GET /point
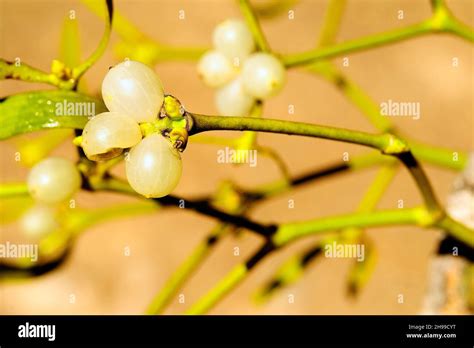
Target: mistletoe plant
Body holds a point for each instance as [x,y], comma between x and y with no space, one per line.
[136,122]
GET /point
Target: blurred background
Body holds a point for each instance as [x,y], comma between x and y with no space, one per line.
[103,280]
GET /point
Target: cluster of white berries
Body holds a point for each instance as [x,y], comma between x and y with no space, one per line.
[240,74]
[50,183]
[133,94]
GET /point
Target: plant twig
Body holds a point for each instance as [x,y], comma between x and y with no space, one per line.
[351,46]
[425,152]
[332,21]
[13,189]
[386,143]
[272,154]
[354,93]
[24,72]
[185,270]
[254,25]
[415,216]
[201,206]
[291,270]
[230,281]
[10,272]
[182,274]
[79,70]
[289,232]
[138,46]
[441,21]
[422,182]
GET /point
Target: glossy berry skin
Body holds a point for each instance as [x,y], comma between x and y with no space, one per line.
[53,180]
[107,134]
[232,100]
[215,69]
[263,75]
[38,221]
[133,89]
[233,38]
[154,166]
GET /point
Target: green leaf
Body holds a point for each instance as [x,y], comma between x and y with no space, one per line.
[28,112]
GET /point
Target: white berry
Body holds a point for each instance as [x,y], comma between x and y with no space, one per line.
[460,206]
[106,134]
[154,166]
[38,221]
[233,38]
[232,100]
[215,69]
[134,89]
[263,75]
[53,180]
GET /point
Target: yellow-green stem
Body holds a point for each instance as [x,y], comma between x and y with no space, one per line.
[289,232]
[222,288]
[13,189]
[386,143]
[332,21]
[254,25]
[185,270]
[441,21]
[347,47]
[79,70]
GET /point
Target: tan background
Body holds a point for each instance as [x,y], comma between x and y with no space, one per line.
[104,281]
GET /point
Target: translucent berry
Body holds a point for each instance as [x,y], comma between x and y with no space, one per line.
[133,89]
[107,134]
[215,69]
[153,166]
[38,221]
[53,180]
[232,100]
[233,38]
[263,75]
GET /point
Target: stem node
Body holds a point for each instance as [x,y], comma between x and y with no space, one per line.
[395,145]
